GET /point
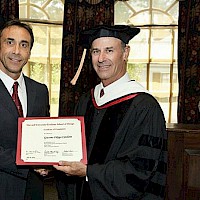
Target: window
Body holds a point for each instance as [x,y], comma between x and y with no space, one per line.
[46,18]
[153,56]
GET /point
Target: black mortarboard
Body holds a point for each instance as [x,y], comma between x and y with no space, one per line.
[122,32]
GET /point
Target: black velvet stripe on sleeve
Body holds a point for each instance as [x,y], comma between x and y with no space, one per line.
[143,164]
[149,164]
[137,183]
[154,142]
[144,186]
[156,189]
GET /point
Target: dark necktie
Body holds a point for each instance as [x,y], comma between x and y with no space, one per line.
[16,99]
[101,93]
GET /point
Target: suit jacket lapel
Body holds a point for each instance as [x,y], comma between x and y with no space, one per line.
[6,100]
[31,92]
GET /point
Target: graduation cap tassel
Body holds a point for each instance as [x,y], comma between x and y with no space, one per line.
[73,81]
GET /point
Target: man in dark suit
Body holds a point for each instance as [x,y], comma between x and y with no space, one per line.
[16,41]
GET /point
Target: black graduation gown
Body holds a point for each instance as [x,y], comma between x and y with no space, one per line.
[127,150]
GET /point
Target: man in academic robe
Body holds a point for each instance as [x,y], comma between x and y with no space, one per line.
[125,129]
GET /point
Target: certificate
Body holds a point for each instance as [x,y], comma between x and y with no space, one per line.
[47,140]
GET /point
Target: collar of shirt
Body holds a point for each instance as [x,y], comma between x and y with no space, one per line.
[117,89]
[8,82]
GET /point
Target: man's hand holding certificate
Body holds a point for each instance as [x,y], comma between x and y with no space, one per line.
[46,141]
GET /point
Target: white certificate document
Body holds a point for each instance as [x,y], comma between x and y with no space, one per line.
[46,141]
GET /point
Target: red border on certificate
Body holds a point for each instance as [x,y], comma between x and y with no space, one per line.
[20,161]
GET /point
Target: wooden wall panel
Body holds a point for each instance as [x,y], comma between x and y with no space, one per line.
[183,177]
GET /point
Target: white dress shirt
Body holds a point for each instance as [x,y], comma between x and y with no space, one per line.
[8,82]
